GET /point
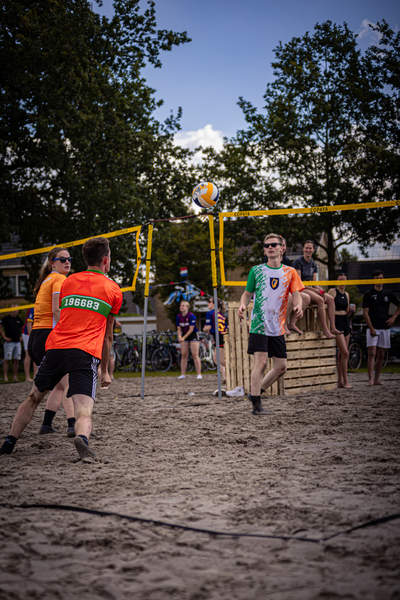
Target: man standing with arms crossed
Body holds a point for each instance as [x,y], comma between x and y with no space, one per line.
[270,283]
[82,337]
[376,304]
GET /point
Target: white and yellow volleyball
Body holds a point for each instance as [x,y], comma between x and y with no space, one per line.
[205,194]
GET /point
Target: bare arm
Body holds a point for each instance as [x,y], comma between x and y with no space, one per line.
[3,333]
[55,306]
[105,355]
[393,317]
[244,302]
[368,320]
[332,292]
[297,304]
[29,326]
[191,329]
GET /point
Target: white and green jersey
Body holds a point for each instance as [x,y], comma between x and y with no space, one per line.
[271,287]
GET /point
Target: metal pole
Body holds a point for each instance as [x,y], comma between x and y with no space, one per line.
[216,327]
[146,301]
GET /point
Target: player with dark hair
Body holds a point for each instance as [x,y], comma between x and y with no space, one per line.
[376,304]
[82,337]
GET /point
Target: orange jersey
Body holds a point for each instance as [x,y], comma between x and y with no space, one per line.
[87,299]
[44,301]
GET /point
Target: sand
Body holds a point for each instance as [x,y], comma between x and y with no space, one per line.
[321,464]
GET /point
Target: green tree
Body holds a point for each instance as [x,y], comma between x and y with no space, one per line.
[80,152]
[314,141]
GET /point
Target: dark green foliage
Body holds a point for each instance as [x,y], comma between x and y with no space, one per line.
[80,153]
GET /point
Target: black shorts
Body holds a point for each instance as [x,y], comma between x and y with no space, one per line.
[274,345]
[221,341]
[193,337]
[37,343]
[81,367]
[343,324]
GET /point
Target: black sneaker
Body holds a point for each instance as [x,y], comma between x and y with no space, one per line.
[85,452]
[47,429]
[258,408]
[71,432]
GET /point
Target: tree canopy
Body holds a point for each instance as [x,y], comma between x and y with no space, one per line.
[80,151]
[328,135]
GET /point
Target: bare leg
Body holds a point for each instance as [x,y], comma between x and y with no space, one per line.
[260,364]
[371,364]
[278,369]
[343,357]
[83,406]
[317,299]
[56,397]
[305,301]
[330,303]
[5,370]
[221,361]
[184,356]
[380,352]
[27,366]
[25,411]
[68,406]
[15,369]
[194,346]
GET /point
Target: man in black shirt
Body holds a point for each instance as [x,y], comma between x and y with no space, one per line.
[10,329]
[376,304]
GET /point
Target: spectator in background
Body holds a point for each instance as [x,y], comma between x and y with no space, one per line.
[188,336]
[209,327]
[343,309]
[10,329]
[376,304]
[25,338]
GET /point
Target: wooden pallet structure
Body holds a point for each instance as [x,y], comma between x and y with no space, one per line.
[311,365]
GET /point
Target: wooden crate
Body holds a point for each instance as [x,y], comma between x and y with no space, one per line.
[311,356]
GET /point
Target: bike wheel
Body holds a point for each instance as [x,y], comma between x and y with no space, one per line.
[355,356]
[131,360]
[161,360]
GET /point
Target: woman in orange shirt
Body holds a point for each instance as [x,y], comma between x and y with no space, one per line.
[47,313]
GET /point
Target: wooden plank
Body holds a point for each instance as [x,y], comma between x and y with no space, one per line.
[314,362]
[238,346]
[310,382]
[228,361]
[247,367]
[323,388]
[311,353]
[307,335]
[321,343]
[306,373]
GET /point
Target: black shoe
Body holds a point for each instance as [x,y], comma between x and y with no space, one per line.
[258,408]
[47,429]
[71,432]
[85,452]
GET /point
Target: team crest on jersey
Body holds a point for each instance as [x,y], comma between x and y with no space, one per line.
[274,283]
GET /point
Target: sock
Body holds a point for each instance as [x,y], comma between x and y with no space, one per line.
[84,439]
[255,399]
[71,422]
[8,445]
[48,417]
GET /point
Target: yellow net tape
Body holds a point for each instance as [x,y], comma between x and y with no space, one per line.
[289,211]
[138,229]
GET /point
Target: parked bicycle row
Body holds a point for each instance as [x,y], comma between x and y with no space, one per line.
[162,352]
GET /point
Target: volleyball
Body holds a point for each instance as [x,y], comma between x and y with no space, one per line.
[205,194]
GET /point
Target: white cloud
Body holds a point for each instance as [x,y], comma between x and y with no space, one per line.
[365,31]
[207,136]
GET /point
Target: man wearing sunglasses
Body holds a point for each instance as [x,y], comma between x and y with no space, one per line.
[270,284]
[81,339]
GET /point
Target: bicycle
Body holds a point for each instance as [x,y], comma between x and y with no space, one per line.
[126,355]
[358,351]
[206,351]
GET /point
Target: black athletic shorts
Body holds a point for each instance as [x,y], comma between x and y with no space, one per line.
[343,324]
[37,343]
[81,367]
[193,337]
[274,345]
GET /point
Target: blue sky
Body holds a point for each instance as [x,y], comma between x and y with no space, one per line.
[231,53]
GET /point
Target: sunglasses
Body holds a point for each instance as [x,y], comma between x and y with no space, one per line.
[64,259]
[272,245]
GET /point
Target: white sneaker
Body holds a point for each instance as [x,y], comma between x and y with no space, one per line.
[181,376]
[238,391]
[199,377]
